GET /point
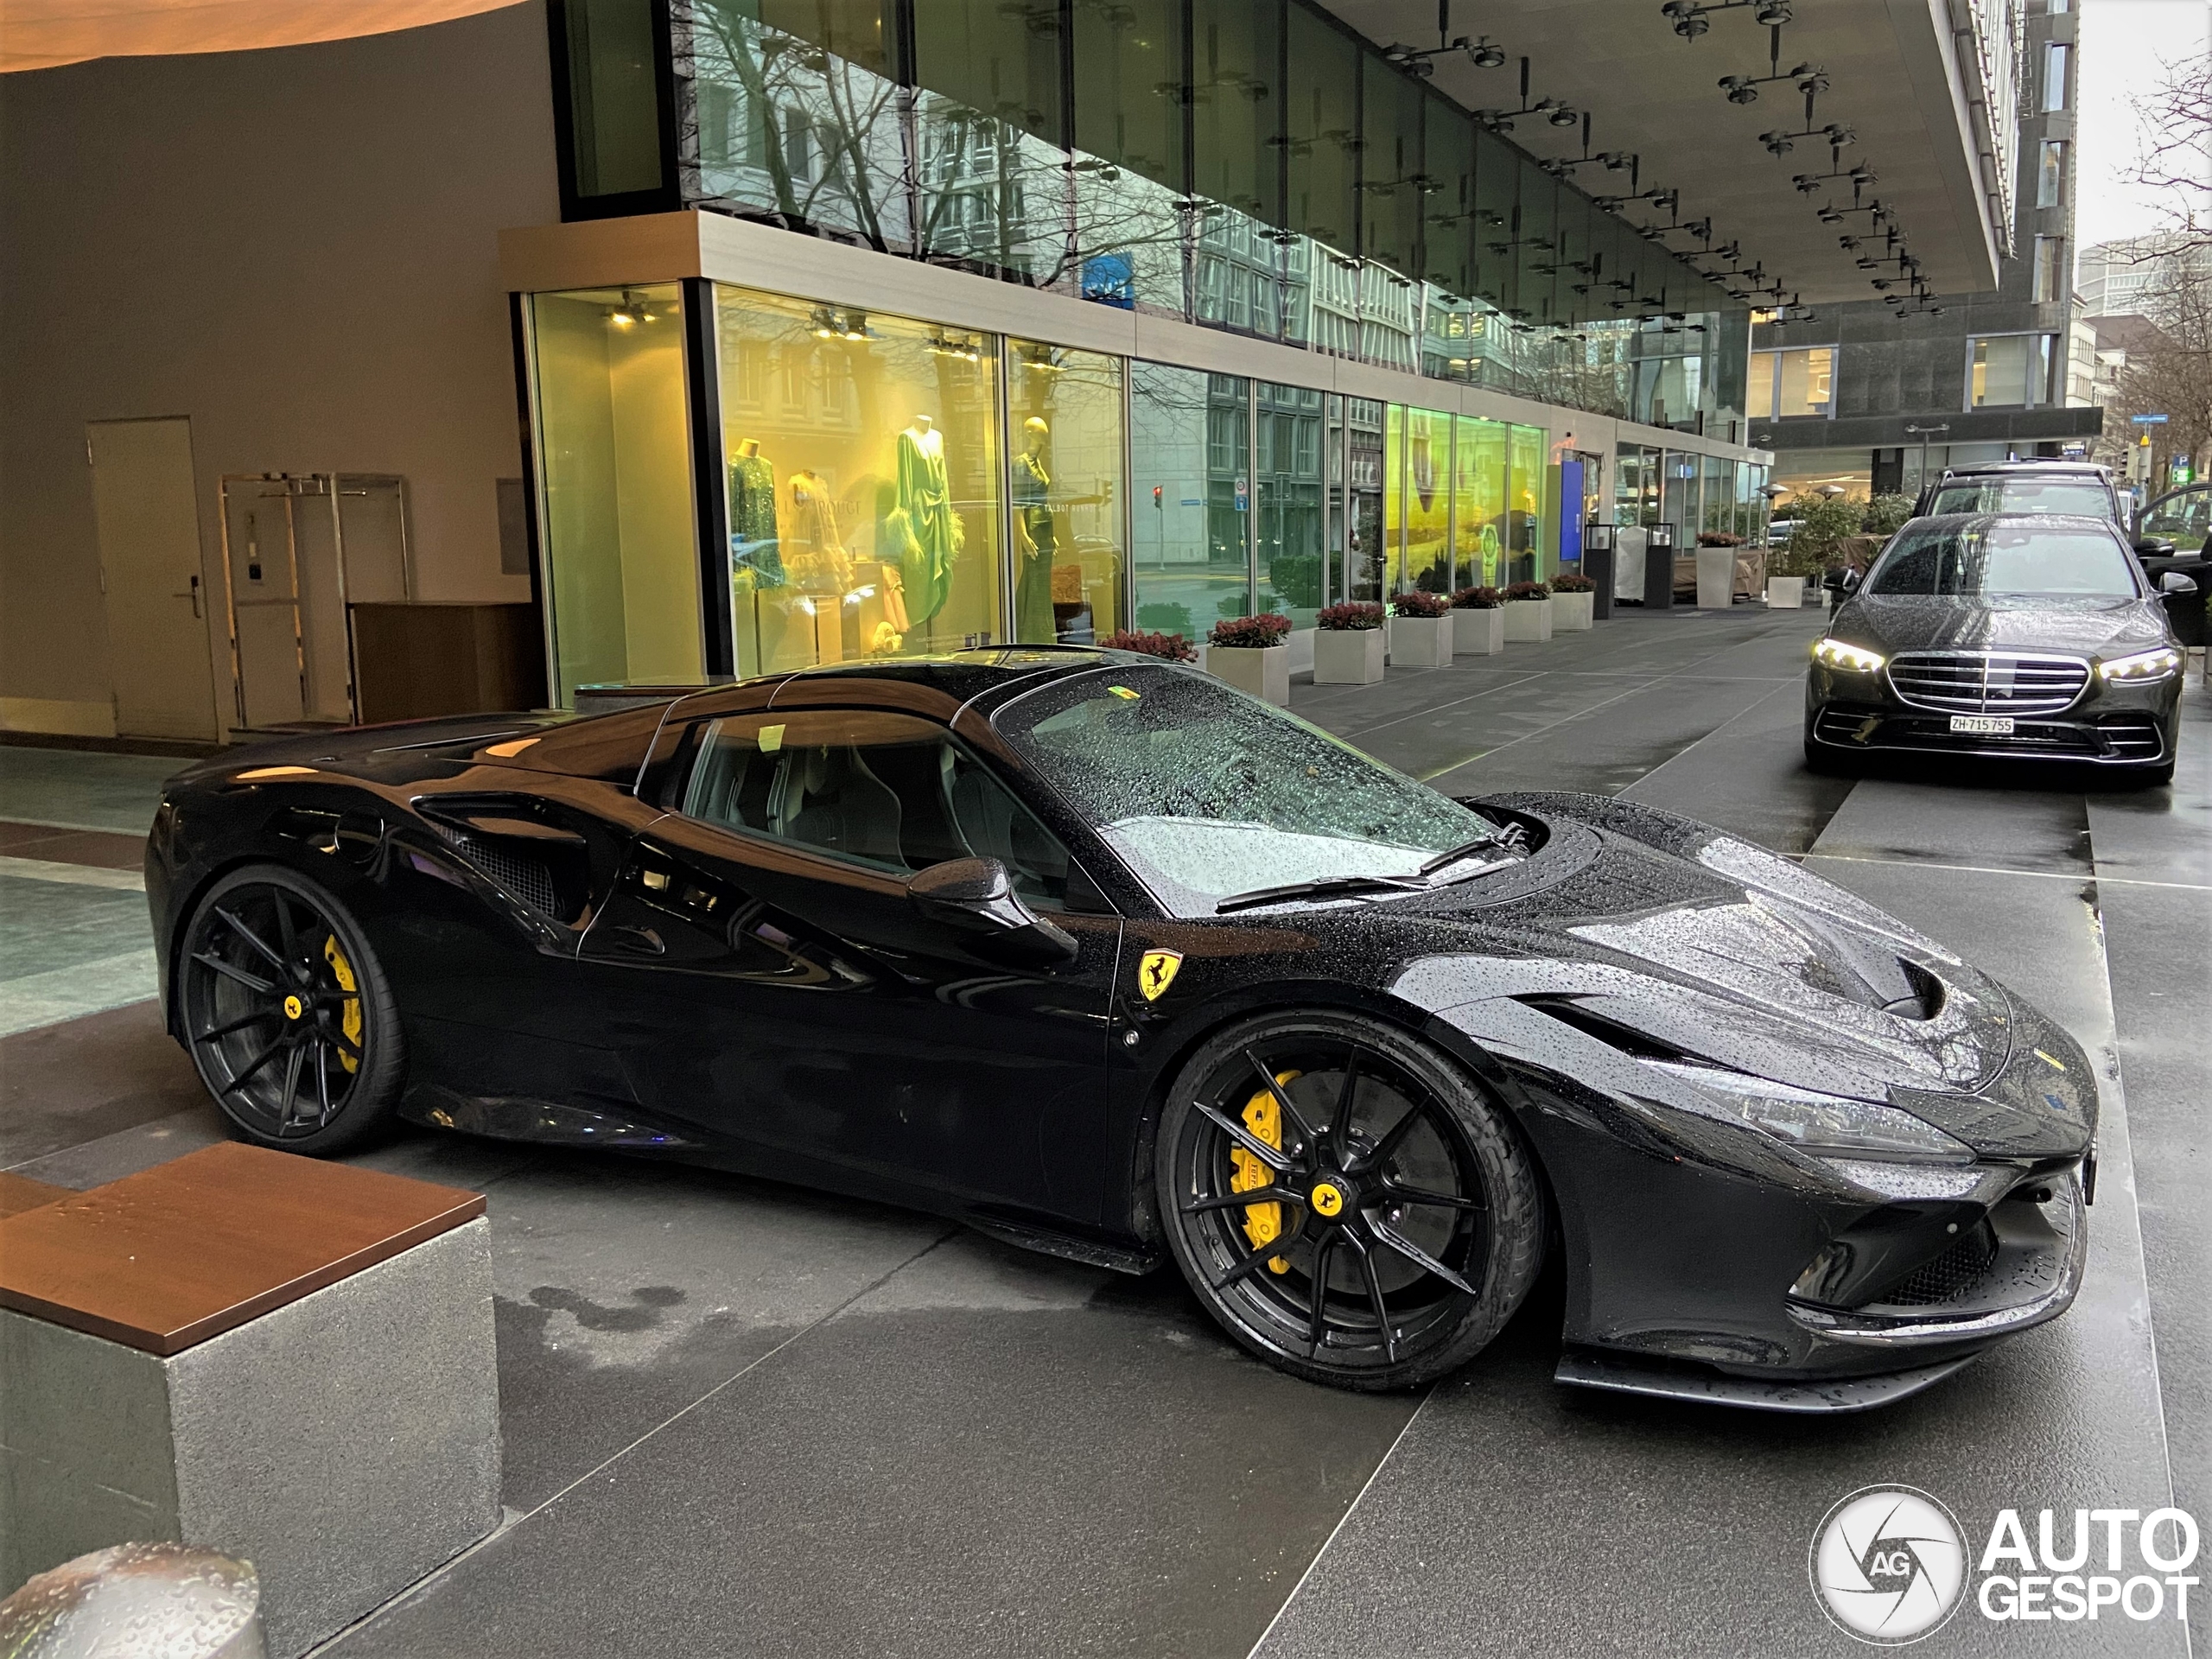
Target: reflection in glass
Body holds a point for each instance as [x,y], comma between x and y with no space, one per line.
[862,473]
[607,373]
[1063,444]
[1287,499]
[1367,555]
[1479,502]
[1428,500]
[1527,520]
[1189,438]
[1321,112]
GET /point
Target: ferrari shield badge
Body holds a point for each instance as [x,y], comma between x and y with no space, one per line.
[1157,972]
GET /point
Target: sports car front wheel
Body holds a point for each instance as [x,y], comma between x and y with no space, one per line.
[1349,1203]
[287,1013]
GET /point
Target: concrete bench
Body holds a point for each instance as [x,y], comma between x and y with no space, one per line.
[287,1361]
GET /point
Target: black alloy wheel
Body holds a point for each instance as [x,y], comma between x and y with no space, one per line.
[1349,1203]
[287,1014]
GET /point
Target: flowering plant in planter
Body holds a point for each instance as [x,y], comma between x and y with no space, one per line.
[1174,646]
[1353,616]
[1719,538]
[1418,603]
[1477,599]
[1250,632]
[1573,585]
[1529,590]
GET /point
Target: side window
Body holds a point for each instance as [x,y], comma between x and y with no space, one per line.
[887,791]
[2182,521]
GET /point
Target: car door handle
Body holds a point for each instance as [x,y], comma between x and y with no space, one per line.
[639,941]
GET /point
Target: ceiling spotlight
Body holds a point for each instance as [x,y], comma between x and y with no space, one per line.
[1777,141]
[1563,116]
[1485,55]
[1839,135]
[1739,90]
[1849,244]
[1775,11]
[1829,216]
[1689,19]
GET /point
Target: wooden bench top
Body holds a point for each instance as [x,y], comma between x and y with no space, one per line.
[191,1249]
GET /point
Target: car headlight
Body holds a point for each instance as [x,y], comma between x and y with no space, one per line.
[2143,666]
[1834,653]
[1825,1125]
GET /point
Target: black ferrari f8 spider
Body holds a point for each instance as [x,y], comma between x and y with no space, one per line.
[1099,956]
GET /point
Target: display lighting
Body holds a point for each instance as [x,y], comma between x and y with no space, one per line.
[966,347]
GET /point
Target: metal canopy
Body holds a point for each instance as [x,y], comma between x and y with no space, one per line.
[1899,75]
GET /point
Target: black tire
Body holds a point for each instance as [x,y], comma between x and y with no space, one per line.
[1413,1122]
[295,1057]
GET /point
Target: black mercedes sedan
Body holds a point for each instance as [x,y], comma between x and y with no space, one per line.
[1101,956]
[2001,635]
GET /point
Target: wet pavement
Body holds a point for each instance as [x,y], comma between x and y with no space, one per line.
[741,1418]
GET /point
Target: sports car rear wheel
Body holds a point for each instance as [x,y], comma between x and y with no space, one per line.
[287,1014]
[1349,1203]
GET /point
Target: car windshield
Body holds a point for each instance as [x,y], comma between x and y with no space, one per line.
[1980,559]
[2082,497]
[1206,793]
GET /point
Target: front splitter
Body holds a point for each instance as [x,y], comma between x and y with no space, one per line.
[1808,1397]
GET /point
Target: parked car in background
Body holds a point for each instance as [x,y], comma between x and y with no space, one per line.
[2016,635]
[2072,488]
[1779,530]
[2170,537]
[2179,517]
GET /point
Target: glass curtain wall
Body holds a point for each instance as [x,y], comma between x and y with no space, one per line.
[863,482]
[1479,495]
[1718,510]
[1527,514]
[1367,550]
[1678,496]
[1428,501]
[1287,501]
[1189,436]
[614,448]
[989,136]
[1064,448]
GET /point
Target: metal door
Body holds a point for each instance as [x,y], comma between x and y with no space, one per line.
[148,528]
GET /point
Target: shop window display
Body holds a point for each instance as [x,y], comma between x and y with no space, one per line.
[1527,518]
[1479,502]
[1428,501]
[607,367]
[1064,438]
[862,474]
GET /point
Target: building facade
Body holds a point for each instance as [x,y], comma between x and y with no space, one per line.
[712,337]
[1864,396]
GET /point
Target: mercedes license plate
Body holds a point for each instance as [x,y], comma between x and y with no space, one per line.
[1987,725]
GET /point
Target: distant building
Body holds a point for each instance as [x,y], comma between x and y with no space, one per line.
[1855,395]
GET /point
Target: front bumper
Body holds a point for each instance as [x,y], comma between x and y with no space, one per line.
[2108,725]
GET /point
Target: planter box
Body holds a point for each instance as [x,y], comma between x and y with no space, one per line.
[1716,578]
[1478,634]
[1262,671]
[1420,641]
[1526,620]
[1785,593]
[1572,612]
[1347,656]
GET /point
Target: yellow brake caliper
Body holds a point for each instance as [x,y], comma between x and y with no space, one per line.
[1262,1221]
[342,971]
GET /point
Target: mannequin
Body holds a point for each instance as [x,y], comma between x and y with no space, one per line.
[925,529]
[1035,539]
[754,558]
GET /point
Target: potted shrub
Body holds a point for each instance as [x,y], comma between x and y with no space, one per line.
[1716,568]
[1477,622]
[1421,631]
[1528,612]
[1253,654]
[1348,645]
[1173,646]
[1575,599]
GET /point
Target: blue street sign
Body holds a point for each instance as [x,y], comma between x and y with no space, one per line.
[2147,420]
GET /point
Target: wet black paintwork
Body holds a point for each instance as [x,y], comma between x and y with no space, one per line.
[761,1007]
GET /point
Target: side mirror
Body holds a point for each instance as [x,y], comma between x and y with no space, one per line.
[1851,580]
[975,897]
[2175,582]
[2153,547]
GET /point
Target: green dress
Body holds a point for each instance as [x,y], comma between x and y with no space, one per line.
[752,522]
[925,531]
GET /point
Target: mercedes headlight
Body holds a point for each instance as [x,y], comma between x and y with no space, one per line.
[1834,653]
[2143,666]
[1824,1125]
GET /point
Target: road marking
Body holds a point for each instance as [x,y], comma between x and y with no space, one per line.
[75,875]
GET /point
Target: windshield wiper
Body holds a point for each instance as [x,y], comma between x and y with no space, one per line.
[1444,861]
[1326,886]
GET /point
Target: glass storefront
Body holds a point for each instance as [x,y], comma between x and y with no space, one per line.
[1479,502]
[1064,442]
[613,447]
[1287,438]
[1190,446]
[861,455]
[1527,508]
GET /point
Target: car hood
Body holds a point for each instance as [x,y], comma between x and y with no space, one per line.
[2087,627]
[1674,938]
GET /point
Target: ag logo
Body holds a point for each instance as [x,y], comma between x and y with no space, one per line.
[1888,1565]
[1157,972]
